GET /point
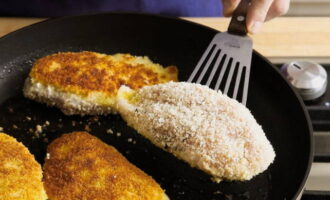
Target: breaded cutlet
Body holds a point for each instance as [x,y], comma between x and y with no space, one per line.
[201,126]
[80,166]
[20,174]
[86,83]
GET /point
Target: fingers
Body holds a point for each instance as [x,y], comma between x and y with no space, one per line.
[257,14]
[259,11]
[229,6]
[278,8]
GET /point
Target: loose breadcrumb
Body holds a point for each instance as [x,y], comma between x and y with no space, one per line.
[39,129]
[110,131]
[11,110]
[87,128]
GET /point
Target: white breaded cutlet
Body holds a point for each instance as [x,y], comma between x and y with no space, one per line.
[20,174]
[205,128]
[86,83]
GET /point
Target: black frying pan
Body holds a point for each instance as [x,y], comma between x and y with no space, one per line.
[166,41]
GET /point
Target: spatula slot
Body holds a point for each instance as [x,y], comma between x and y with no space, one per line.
[240,90]
[211,82]
[204,60]
[225,69]
[232,83]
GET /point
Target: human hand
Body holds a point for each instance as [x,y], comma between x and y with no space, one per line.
[259,11]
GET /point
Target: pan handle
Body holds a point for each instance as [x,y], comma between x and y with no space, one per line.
[237,24]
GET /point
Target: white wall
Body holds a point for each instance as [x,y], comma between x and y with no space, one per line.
[309,8]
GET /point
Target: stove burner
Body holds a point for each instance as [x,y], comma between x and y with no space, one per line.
[319,111]
[308,78]
[319,108]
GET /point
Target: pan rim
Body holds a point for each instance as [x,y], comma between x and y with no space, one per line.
[181,20]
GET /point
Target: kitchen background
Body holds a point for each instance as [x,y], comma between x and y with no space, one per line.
[318,184]
[304,35]
[309,8]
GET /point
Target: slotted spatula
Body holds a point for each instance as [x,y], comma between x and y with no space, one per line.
[229,54]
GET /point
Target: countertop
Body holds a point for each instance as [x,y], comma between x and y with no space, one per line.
[281,39]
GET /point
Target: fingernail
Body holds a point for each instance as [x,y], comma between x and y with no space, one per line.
[256,26]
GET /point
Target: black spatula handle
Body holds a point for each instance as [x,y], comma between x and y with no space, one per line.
[237,24]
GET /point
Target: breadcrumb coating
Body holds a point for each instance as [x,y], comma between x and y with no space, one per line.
[80,166]
[86,83]
[20,174]
[203,127]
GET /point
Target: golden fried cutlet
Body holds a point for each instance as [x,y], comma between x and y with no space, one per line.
[80,166]
[87,82]
[20,174]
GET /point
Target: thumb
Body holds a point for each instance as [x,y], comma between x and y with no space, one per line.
[229,6]
[257,14]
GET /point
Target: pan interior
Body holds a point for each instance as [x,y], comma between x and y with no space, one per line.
[168,42]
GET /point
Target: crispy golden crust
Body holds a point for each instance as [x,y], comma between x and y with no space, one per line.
[20,174]
[85,72]
[86,83]
[80,166]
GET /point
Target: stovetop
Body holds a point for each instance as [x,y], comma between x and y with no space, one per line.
[319,111]
[318,182]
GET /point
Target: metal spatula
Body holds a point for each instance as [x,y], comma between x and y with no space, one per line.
[229,54]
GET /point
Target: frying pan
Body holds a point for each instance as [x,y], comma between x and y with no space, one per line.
[168,41]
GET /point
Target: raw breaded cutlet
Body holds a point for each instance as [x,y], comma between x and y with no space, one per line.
[201,126]
[86,83]
[80,166]
[20,174]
